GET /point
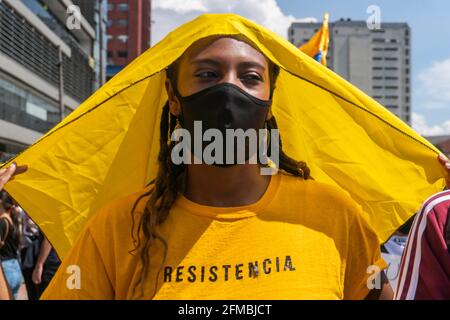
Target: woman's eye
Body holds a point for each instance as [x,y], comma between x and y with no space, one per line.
[206,74]
[252,78]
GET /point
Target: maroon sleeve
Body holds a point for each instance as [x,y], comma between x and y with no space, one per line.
[425,265]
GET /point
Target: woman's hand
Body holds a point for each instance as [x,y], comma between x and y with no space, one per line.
[7,174]
[36,276]
[445,162]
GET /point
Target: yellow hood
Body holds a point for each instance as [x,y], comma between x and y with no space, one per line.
[107,147]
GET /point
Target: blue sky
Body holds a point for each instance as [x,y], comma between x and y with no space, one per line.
[430,43]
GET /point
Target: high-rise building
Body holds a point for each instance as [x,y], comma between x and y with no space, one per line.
[376,61]
[128,32]
[48,67]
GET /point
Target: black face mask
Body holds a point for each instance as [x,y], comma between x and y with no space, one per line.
[223,106]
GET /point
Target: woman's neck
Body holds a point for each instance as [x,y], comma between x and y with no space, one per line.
[232,186]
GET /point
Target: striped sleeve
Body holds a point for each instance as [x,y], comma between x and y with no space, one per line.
[425,263]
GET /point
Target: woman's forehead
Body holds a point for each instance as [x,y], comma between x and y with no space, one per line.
[223,49]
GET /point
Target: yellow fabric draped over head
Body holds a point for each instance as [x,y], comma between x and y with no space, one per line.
[108,147]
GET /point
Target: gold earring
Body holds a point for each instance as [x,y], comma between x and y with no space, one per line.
[169,134]
[177,125]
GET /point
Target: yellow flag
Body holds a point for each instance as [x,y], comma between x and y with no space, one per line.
[317,46]
[107,147]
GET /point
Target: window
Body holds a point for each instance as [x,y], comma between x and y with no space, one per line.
[123,38]
[110,54]
[377,58]
[122,7]
[391,97]
[377,49]
[391,106]
[109,23]
[377,68]
[393,41]
[378,40]
[377,87]
[391,87]
[391,78]
[110,6]
[377,78]
[109,38]
[391,68]
[122,54]
[390,49]
[21,106]
[122,22]
[390,58]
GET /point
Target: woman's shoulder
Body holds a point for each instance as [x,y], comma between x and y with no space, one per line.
[317,192]
[5,221]
[120,211]
[327,206]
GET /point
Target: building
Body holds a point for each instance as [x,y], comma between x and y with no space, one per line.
[34,39]
[442,143]
[128,32]
[376,61]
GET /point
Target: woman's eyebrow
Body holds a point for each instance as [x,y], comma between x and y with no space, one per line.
[243,64]
[206,61]
[252,64]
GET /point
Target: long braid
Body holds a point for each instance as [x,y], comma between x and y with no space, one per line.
[292,166]
[162,197]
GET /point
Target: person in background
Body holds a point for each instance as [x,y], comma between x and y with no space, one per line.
[392,251]
[10,235]
[29,252]
[7,174]
[39,259]
[425,264]
[47,264]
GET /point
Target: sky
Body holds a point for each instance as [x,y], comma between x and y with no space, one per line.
[430,38]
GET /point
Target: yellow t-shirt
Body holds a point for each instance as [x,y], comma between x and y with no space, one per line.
[301,240]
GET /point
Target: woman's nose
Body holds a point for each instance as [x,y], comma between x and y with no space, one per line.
[232,77]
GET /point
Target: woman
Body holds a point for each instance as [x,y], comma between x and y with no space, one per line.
[6,174]
[223,232]
[10,239]
[211,230]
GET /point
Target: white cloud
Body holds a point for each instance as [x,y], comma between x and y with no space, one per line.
[169,14]
[434,86]
[419,123]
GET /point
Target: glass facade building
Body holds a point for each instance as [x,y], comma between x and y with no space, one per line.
[32,33]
